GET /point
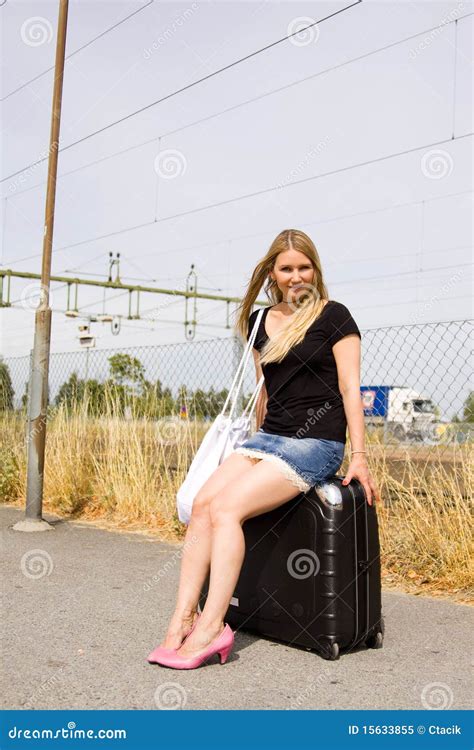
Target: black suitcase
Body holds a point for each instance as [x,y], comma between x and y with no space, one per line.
[311,573]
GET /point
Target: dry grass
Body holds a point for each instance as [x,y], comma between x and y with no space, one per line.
[126,473]
[425,521]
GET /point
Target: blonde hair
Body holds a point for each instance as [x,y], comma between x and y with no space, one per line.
[308,307]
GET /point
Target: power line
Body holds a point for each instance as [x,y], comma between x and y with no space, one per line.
[152,321]
[339,217]
[264,191]
[68,57]
[414,302]
[86,262]
[239,238]
[414,272]
[210,325]
[229,109]
[383,277]
[184,88]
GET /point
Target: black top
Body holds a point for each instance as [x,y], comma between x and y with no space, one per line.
[304,400]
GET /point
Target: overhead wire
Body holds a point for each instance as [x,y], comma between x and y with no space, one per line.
[185,88]
[400,273]
[318,222]
[315,177]
[79,49]
[263,191]
[241,197]
[254,99]
[383,277]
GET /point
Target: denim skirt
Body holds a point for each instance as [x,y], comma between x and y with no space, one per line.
[304,461]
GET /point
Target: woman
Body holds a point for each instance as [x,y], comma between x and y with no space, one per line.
[308,348]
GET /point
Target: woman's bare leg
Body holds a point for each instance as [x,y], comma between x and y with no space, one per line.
[196,558]
[259,490]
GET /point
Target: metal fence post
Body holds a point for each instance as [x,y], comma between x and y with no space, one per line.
[237,351]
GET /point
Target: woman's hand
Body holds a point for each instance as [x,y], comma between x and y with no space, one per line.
[358,469]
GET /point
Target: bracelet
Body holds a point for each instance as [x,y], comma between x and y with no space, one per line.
[358,451]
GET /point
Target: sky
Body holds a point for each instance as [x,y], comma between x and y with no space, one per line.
[357,131]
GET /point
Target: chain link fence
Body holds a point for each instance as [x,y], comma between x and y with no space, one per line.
[415,380]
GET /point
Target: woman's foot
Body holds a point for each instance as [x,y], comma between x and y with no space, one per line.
[199,639]
[178,629]
[221,645]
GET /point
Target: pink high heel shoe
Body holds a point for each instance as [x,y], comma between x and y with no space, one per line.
[221,645]
[160,651]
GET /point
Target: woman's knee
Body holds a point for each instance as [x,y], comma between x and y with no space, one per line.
[201,505]
[223,509]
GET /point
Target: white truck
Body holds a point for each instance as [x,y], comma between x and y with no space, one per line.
[403,412]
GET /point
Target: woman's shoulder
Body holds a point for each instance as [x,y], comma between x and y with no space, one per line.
[253,315]
[253,319]
[337,307]
[340,322]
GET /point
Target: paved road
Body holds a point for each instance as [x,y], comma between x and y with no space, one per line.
[78,637]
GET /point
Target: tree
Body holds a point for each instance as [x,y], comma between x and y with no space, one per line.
[6,388]
[24,398]
[128,372]
[126,390]
[71,391]
[154,401]
[468,412]
[89,393]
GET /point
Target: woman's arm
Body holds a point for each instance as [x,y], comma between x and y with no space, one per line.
[347,355]
[261,405]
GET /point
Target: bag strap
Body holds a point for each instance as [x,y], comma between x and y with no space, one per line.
[253,399]
[240,373]
[244,361]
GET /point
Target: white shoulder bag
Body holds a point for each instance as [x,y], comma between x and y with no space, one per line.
[226,433]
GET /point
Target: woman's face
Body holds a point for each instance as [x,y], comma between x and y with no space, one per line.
[293,271]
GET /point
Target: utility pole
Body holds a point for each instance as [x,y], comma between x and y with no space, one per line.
[39,377]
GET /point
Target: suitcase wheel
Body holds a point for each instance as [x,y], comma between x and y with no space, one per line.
[331,652]
[375,639]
